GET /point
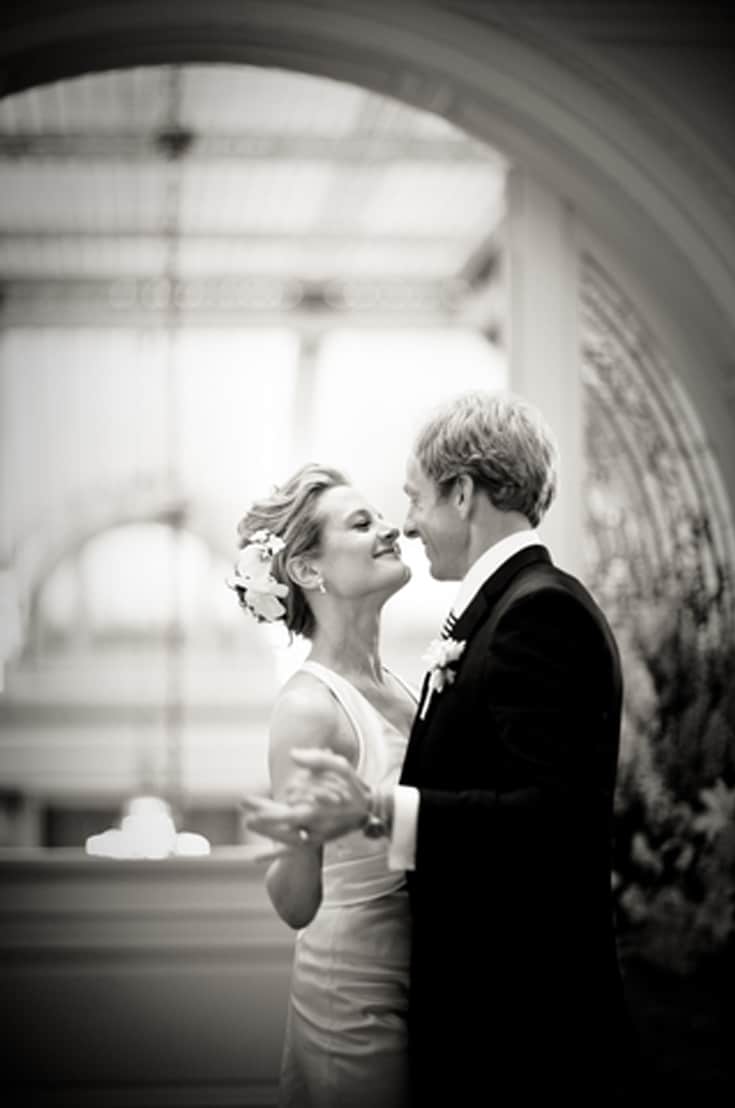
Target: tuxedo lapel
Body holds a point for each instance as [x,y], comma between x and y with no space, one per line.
[474,615]
[485,600]
[462,631]
[499,582]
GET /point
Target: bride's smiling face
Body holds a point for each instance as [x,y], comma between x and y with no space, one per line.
[359,555]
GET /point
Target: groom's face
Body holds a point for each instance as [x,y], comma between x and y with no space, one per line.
[434,519]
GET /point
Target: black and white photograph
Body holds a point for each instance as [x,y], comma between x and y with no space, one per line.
[367,554]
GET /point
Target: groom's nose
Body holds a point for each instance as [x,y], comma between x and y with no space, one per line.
[409,528]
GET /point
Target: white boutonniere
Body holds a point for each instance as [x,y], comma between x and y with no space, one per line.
[440,656]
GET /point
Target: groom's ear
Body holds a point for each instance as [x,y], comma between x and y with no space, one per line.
[463,494]
[302,572]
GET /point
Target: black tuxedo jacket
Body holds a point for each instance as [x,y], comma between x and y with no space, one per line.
[514,979]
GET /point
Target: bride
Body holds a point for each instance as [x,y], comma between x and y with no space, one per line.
[317,556]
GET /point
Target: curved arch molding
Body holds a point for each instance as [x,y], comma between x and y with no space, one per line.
[622,157]
[100,510]
[531,84]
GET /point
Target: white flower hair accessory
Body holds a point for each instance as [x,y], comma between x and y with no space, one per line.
[253,574]
[442,654]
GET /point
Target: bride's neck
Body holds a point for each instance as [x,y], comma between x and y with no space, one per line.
[350,646]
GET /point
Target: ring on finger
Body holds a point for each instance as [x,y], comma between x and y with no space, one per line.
[303,833]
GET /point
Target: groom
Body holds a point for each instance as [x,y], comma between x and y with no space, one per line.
[503,815]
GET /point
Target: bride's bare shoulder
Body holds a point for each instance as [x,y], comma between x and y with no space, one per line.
[305,713]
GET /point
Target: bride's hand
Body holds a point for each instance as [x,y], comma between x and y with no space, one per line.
[276,820]
[305,787]
[325,801]
[341,797]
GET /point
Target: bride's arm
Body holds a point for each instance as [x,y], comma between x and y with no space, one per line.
[302,718]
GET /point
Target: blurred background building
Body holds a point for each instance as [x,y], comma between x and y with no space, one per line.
[237,239]
[213,275]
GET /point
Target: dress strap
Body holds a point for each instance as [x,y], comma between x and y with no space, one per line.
[404,684]
[345,696]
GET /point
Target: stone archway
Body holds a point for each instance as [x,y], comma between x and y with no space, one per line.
[155,500]
[77,522]
[579,127]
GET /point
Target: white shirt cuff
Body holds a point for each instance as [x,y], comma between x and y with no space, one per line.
[402,849]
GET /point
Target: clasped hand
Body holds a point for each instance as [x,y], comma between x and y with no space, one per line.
[324,799]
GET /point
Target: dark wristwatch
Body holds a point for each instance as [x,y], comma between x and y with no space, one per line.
[375,825]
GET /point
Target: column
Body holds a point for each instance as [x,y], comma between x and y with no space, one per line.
[301,435]
[544,346]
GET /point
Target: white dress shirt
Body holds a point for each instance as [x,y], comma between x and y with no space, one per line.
[402,849]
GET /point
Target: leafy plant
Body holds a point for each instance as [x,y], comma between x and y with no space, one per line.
[675,805]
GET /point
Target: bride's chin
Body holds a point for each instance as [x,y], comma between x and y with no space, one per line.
[405,576]
[402,577]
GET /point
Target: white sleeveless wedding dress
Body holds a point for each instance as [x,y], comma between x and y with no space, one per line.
[345,1041]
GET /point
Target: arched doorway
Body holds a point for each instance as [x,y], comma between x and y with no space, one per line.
[567,120]
[557,119]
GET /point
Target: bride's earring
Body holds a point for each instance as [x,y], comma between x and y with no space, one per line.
[322,587]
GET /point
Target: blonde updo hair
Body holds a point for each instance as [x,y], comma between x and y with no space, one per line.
[292,513]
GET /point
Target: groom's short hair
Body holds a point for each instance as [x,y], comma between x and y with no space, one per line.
[501,441]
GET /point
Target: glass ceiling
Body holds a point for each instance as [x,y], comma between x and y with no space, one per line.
[122,410]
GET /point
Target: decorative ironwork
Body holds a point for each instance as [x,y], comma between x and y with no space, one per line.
[658,526]
[659,557]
